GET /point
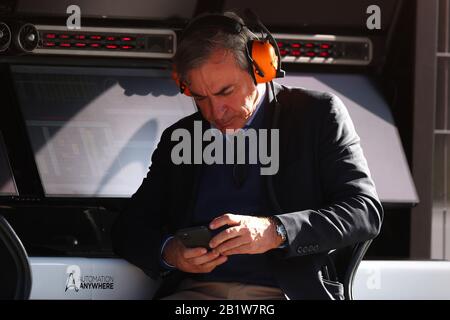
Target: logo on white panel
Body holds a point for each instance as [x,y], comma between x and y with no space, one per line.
[75,281]
[73,278]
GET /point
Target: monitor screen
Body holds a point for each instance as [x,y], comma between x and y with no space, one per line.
[374,123]
[7,184]
[93,130]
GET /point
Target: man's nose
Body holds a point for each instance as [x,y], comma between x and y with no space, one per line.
[218,109]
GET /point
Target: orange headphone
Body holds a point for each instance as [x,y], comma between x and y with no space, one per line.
[263,55]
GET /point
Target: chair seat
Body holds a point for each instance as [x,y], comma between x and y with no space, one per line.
[16,272]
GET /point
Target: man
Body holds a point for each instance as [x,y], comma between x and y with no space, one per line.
[273,233]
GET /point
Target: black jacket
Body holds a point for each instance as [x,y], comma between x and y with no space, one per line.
[322,193]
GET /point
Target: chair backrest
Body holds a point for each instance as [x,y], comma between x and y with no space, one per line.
[15,269]
[346,262]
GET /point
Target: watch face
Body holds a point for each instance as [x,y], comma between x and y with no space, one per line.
[281,231]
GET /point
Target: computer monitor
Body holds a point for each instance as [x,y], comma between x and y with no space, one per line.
[93,130]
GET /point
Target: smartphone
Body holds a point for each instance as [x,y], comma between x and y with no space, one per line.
[194,237]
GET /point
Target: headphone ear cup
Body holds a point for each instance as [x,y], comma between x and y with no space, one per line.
[183,87]
[264,56]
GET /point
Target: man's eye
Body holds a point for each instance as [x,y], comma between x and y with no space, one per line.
[227,93]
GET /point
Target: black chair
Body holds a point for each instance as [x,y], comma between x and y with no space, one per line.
[345,263]
[15,271]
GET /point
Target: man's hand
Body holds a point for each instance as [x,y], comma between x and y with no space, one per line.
[192,260]
[246,235]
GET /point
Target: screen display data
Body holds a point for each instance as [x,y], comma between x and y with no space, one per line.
[93,130]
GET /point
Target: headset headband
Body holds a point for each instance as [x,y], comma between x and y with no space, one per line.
[225,23]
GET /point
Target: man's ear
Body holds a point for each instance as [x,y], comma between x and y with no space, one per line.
[180,83]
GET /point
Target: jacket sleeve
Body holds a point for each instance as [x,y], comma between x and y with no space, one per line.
[351,211]
[139,229]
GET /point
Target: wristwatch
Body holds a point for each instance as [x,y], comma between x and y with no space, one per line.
[281,231]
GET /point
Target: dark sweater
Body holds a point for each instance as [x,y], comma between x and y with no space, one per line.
[220,193]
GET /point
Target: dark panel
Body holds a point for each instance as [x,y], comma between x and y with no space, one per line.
[393,241]
[347,14]
[130,9]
